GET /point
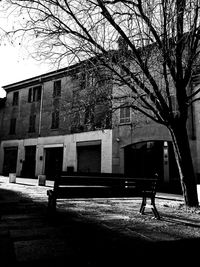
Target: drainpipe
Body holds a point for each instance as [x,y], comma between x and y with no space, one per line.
[41,106]
[40,122]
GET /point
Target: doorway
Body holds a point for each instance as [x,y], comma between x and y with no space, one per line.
[144,159]
[10,160]
[28,168]
[53,161]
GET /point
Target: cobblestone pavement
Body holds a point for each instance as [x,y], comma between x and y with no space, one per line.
[92,232]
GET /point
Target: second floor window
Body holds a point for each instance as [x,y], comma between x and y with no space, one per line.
[55,120]
[125,115]
[15,98]
[13,126]
[32,124]
[57,88]
[34,94]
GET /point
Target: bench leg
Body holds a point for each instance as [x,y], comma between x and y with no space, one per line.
[154,209]
[51,203]
[143,205]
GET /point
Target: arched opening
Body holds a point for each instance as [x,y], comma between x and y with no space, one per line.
[144,159]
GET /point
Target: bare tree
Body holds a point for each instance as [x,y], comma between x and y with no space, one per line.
[158,42]
[90,105]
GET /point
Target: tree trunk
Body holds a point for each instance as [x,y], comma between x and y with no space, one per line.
[184,161]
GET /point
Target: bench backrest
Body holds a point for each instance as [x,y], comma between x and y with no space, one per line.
[112,181]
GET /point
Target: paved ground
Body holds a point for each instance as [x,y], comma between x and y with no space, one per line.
[93,232]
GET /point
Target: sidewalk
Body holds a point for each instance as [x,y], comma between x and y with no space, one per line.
[90,232]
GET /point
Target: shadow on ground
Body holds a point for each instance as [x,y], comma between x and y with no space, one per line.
[29,236]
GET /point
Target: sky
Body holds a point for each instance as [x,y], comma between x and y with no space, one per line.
[15,62]
[16,65]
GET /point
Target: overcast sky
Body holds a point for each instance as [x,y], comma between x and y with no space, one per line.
[16,65]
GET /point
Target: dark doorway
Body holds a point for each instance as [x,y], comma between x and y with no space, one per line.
[28,167]
[53,161]
[144,159]
[10,160]
[89,158]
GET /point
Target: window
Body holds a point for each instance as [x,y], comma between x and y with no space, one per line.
[57,88]
[15,98]
[12,125]
[32,123]
[55,120]
[125,115]
[30,95]
[34,94]
[89,114]
[37,93]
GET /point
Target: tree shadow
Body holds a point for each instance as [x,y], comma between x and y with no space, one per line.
[92,243]
[103,246]
[180,220]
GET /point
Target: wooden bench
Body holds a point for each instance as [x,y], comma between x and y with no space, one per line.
[82,185]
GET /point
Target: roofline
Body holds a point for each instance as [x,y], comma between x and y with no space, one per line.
[44,77]
[39,78]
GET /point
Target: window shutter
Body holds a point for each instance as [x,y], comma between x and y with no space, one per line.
[30,95]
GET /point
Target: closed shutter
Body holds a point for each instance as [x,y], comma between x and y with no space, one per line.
[89,158]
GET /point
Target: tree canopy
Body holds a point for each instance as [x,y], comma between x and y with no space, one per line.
[159,37]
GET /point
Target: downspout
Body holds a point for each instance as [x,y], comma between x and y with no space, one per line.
[41,106]
[40,120]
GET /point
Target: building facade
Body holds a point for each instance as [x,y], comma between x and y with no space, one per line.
[56,121]
[45,127]
[142,147]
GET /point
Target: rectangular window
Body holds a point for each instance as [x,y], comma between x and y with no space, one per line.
[32,120]
[30,95]
[57,88]
[15,98]
[125,115]
[12,126]
[37,93]
[34,94]
[55,120]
